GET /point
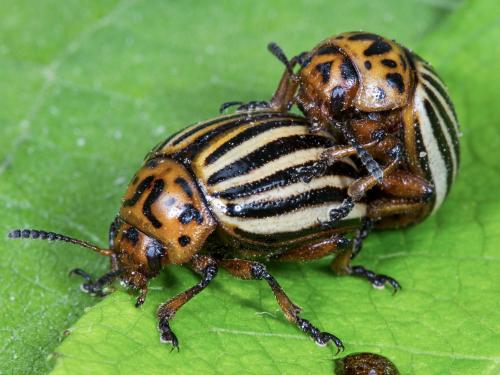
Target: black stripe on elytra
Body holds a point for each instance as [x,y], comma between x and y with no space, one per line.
[132,235]
[327,50]
[197,128]
[156,191]
[154,253]
[365,36]
[395,80]
[378,47]
[324,69]
[389,63]
[442,90]
[379,93]
[184,186]
[248,134]
[337,99]
[422,154]
[143,185]
[281,237]
[187,154]
[190,213]
[348,72]
[267,153]
[301,172]
[423,157]
[444,148]
[447,121]
[260,209]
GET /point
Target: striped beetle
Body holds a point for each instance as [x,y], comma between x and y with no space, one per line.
[388,105]
[227,193]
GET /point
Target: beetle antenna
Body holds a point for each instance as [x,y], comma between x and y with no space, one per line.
[51,236]
[280,55]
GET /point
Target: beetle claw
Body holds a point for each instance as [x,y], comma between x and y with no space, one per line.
[167,336]
[377,280]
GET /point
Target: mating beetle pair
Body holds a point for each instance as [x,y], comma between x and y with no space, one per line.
[258,185]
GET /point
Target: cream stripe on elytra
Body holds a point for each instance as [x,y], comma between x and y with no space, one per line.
[295,158]
[445,130]
[435,158]
[252,144]
[294,221]
[298,188]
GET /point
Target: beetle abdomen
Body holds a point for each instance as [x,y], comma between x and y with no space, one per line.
[432,132]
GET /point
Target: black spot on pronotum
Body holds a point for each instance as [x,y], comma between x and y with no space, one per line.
[339,37]
[365,36]
[132,235]
[152,197]
[327,50]
[348,72]
[396,81]
[389,63]
[379,93]
[143,185]
[154,253]
[185,186]
[378,47]
[189,214]
[337,99]
[184,240]
[324,69]
[368,65]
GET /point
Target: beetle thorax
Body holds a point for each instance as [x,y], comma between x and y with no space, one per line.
[164,202]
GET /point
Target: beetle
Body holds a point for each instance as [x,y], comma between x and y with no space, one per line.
[229,193]
[365,364]
[388,106]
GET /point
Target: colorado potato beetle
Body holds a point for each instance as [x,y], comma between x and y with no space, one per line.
[385,104]
[229,193]
[365,364]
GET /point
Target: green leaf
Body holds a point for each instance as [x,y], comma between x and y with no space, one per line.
[89,87]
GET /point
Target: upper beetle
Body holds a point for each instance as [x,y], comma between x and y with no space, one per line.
[388,106]
[227,193]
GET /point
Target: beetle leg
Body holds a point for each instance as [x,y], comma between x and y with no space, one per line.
[366,158]
[205,266]
[249,270]
[314,251]
[403,211]
[341,263]
[361,233]
[96,288]
[403,184]
[283,98]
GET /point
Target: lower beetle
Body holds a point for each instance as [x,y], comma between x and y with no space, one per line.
[228,193]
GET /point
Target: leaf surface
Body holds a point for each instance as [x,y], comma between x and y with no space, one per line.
[88,88]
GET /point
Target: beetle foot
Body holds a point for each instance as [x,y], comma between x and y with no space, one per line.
[95,288]
[377,280]
[167,336]
[321,338]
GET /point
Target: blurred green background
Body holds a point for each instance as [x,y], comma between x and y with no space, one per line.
[88,88]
